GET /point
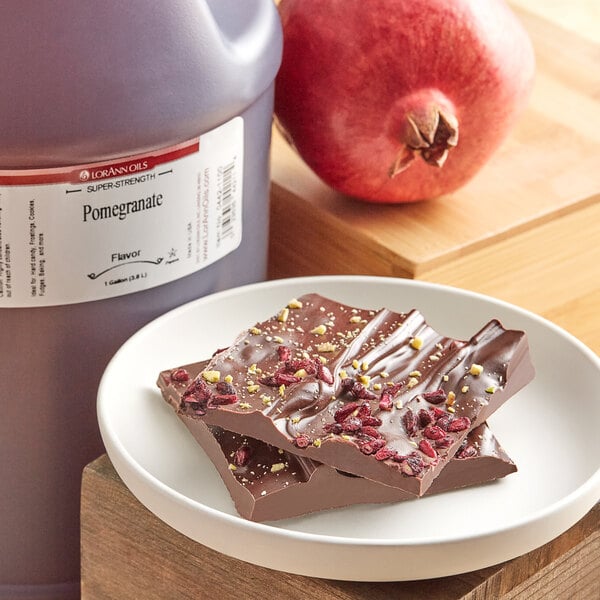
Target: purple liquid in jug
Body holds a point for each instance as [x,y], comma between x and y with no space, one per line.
[99,101]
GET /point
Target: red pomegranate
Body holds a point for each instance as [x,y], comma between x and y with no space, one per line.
[400,100]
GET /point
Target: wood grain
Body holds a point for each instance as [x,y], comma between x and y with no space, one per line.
[129,554]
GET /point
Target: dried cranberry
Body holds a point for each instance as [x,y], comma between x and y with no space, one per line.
[286,379]
[221,400]
[242,455]
[324,374]
[386,401]
[444,422]
[425,418]
[361,392]
[197,408]
[345,411]
[302,441]
[333,428]
[460,424]
[433,432]
[284,353]
[412,465]
[370,431]
[180,375]
[347,384]
[409,421]
[445,442]
[435,397]
[225,388]
[426,448]
[468,451]
[352,425]
[295,364]
[372,421]
[384,453]
[393,389]
[197,391]
[364,411]
[371,446]
[268,380]
[437,412]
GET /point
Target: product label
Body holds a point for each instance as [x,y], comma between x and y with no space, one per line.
[99,230]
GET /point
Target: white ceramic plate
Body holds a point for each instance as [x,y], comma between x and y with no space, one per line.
[550,429]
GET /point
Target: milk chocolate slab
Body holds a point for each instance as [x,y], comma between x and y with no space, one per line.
[268,484]
[377,394]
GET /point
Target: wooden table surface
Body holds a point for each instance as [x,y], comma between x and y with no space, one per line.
[541,251]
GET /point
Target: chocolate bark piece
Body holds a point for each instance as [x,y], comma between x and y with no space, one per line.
[267,484]
[373,393]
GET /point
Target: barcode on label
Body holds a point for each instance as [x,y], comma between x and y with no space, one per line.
[226,198]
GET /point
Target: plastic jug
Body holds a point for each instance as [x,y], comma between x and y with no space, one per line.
[134,145]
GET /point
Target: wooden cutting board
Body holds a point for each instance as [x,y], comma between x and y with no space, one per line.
[526,229]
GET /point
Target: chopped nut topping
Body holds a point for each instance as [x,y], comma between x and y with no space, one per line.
[326,347]
[294,303]
[232,467]
[245,405]
[445,377]
[355,364]
[343,374]
[317,443]
[319,330]
[398,404]
[277,339]
[266,400]
[450,398]
[295,420]
[282,390]
[464,389]
[415,374]
[255,331]
[377,386]
[476,369]
[301,373]
[364,379]
[228,379]
[211,376]
[416,343]
[364,366]
[491,389]
[277,467]
[283,315]
[355,319]
[451,409]
[384,374]
[253,388]
[412,381]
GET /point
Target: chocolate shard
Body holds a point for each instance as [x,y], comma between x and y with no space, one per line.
[321,379]
[268,484]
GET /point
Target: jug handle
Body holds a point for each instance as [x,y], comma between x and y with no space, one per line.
[261,20]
